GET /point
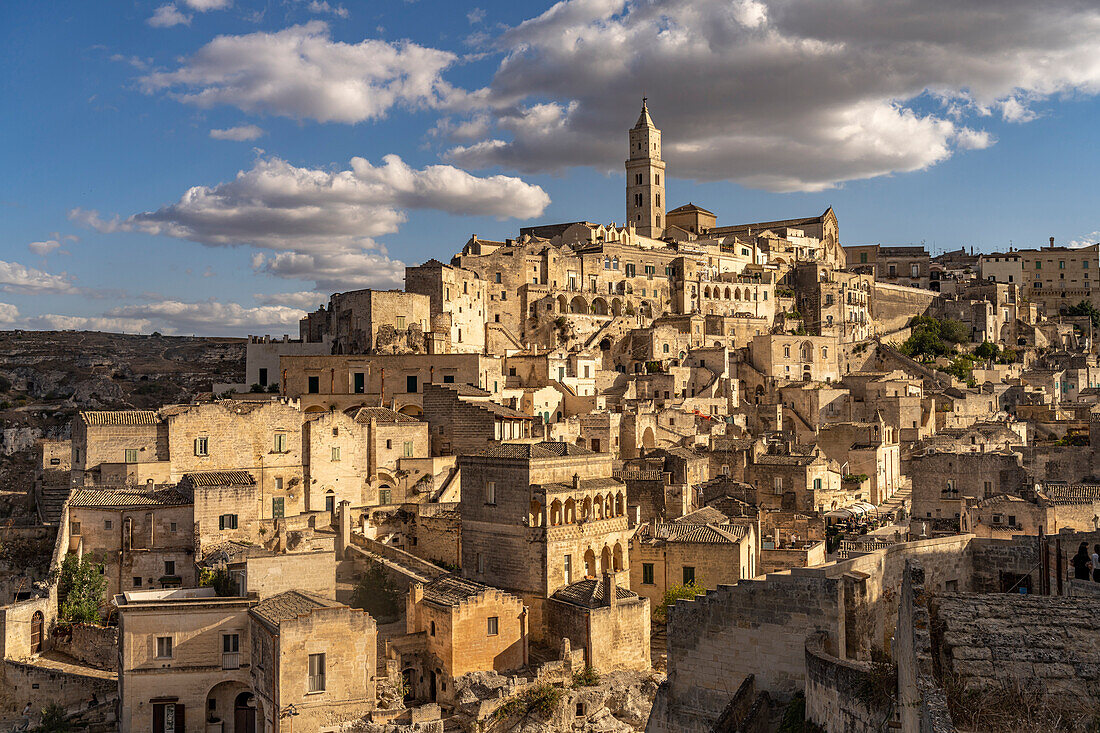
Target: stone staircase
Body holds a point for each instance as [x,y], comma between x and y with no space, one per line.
[48,501]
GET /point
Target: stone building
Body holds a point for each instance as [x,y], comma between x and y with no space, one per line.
[363,457]
[944,483]
[372,321]
[702,548]
[806,358]
[1059,277]
[462,418]
[119,448]
[456,626]
[143,537]
[323,383]
[607,621]
[787,479]
[457,299]
[312,661]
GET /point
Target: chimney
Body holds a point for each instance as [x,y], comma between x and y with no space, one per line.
[576,482]
[609,581]
[416,592]
[1052,242]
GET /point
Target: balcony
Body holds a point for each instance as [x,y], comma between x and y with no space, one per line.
[231,660]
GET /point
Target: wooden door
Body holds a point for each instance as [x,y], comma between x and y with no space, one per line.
[37,623]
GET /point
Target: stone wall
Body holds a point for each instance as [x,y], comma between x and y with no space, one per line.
[892,306]
[15,623]
[436,538]
[96,646]
[613,637]
[841,695]
[22,683]
[312,572]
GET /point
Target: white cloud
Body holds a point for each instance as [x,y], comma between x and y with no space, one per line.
[44,248]
[211,316]
[300,72]
[8,313]
[779,94]
[17,278]
[323,7]
[1087,240]
[240,133]
[307,300]
[322,223]
[167,16]
[476,16]
[204,6]
[55,322]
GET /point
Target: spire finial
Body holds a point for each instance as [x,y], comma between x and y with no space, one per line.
[644,99]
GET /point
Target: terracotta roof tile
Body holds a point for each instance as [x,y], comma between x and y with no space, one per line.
[289,605]
[381,415]
[591,593]
[112,418]
[127,498]
[220,478]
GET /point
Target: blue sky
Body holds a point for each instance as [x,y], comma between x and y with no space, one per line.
[920,122]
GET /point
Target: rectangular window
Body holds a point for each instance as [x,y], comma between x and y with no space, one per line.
[359,385]
[280,443]
[130,455]
[568,566]
[231,651]
[278,483]
[107,524]
[202,446]
[164,647]
[493,626]
[411,384]
[384,496]
[172,527]
[408,449]
[169,567]
[448,379]
[490,492]
[480,563]
[647,573]
[335,452]
[278,507]
[777,484]
[314,386]
[137,581]
[316,672]
[1061,264]
[401,323]
[227,521]
[74,529]
[689,575]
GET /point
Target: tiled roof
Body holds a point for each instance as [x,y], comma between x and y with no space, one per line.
[466,390]
[587,484]
[706,515]
[220,478]
[1072,494]
[382,415]
[769,459]
[693,533]
[451,590]
[289,605]
[502,411]
[591,593]
[630,475]
[127,498]
[545,449]
[111,418]
[230,551]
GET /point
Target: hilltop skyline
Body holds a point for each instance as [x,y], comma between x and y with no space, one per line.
[221,166]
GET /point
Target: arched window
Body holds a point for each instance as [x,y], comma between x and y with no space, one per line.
[665,348]
[787,352]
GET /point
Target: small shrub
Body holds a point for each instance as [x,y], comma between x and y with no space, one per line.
[673,594]
[586,678]
[256,388]
[80,590]
[541,700]
[54,720]
[219,579]
[376,594]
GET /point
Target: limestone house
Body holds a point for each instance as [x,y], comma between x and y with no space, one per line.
[463,419]
[787,479]
[944,482]
[144,537]
[184,660]
[313,661]
[608,622]
[867,449]
[371,321]
[701,548]
[459,296]
[455,626]
[119,448]
[362,457]
[796,358]
[540,516]
[228,506]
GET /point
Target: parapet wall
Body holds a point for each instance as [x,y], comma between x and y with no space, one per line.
[845,696]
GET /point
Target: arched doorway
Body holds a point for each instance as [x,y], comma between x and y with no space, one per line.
[244,713]
[648,440]
[432,694]
[590,563]
[411,410]
[605,560]
[38,621]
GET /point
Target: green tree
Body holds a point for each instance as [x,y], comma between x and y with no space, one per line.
[1085,308]
[80,589]
[673,594]
[954,331]
[220,580]
[376,594]
[987,350]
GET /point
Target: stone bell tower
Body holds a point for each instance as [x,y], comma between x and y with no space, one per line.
[645,174]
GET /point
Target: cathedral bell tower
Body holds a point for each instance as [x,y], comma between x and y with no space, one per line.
[645,172]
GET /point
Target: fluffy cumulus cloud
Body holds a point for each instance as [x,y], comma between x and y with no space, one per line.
[241,133]
[17,278]
[167,16]
[320,225]
[206,317]
[300,72]
[204,6]
[307,300]
[8,313]
[322,7]
[779,94]
[56,322]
